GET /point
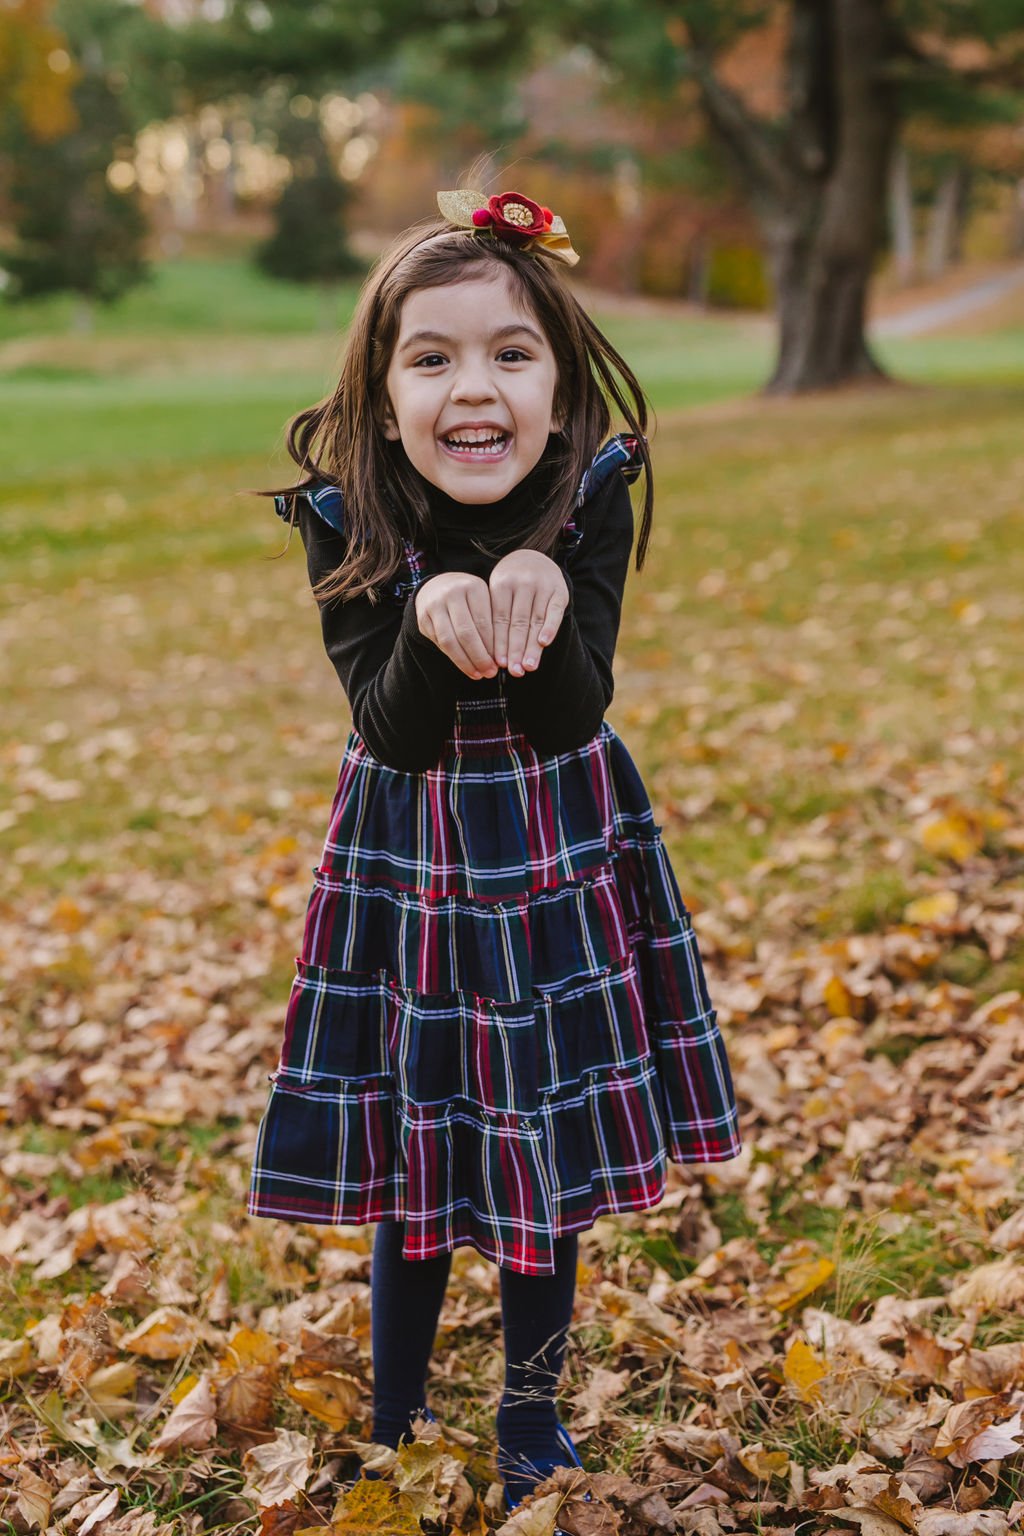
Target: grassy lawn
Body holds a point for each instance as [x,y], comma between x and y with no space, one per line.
[819,678]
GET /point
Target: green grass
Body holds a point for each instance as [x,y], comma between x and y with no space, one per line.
[217,296]
[134,393]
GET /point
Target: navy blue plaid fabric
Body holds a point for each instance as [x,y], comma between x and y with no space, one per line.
[499,1027]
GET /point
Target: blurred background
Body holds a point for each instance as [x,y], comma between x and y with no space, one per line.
[791,162]
[803,225]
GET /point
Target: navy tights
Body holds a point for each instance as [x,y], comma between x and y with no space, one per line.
[536,1310]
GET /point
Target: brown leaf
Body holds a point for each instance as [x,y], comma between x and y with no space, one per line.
[280,1469]
[165,1334]
[30,1498]
[245,1399]
[985,1371]
[192,1424]
[281,1519]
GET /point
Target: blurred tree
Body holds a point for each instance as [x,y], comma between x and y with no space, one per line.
[810,129]
[809,133]
[36,71]
[74,209]
[308,243]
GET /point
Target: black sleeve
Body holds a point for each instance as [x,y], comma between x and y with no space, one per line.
[400,687]
[561,705]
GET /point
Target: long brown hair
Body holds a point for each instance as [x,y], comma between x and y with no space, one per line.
[341,441]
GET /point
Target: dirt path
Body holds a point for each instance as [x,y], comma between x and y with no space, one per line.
[942,311]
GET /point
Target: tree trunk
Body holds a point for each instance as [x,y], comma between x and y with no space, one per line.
[83,315]
[947,220]
[901,217]
[825,342]
[1015,240]
[698,266]
[819,191]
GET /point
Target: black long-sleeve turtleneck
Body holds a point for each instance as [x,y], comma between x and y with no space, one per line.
[402,689]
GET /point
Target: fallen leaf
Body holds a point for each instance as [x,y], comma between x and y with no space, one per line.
[331,1397]
[165,1334]
[537,1518]
[799,1281]
[994,1287]
[192,1424]
[280,1469]
[804,1369]
[936,908]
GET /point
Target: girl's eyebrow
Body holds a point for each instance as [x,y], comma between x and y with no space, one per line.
[505,330]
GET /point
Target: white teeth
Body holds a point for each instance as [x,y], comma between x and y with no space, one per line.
[478,445]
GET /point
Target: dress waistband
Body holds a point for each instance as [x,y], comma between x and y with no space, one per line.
[481,727]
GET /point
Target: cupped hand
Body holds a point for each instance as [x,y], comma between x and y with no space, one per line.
[528,596]
[453,610]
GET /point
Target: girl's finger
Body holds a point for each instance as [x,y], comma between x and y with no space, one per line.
[464,625]
[531,659]
[448,641]
[501,615]
[558,602]
[519,626]
[479,601]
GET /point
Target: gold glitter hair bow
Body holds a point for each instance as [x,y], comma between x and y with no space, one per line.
[509,216]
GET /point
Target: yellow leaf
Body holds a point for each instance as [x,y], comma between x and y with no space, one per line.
[252,1346]
[950,837]
[763,1464]
[803,1369]
[798,1282]
[371,1507]
[184,1387]
[281,848]
[102,1149]
[815,1105]
[931,909]
[67,915]
[111,1383]
[838,1001]
[330,1397]
[16,1358]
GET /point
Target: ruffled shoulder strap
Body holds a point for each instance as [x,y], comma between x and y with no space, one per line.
[326,500]
[621,452]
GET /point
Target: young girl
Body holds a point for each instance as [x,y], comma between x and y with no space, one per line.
[499,1027]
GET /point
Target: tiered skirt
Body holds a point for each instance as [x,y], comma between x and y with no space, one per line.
[499,1027]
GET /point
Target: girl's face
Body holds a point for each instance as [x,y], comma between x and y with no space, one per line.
[471,387]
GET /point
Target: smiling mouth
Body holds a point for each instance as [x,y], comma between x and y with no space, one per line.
[493,447]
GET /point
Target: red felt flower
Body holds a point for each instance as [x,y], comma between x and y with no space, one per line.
[513,216]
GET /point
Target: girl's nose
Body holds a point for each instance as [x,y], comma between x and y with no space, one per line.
[473,383]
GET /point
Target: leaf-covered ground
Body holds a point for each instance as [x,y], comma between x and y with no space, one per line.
[820,678]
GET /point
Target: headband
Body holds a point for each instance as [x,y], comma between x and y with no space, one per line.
[511,217]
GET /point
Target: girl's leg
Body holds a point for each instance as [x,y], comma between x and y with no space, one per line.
[536,1311]
[405,1304]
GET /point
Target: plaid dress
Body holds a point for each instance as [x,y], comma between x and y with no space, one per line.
[499,1027]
